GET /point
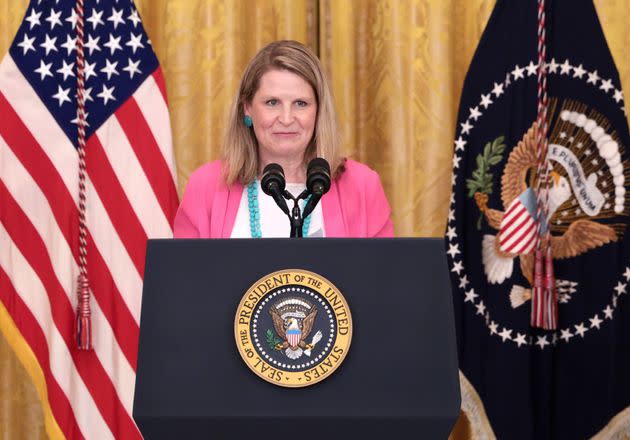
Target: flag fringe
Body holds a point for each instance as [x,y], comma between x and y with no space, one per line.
[618,428]
[472,406]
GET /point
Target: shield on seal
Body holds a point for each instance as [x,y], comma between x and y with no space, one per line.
[293,337]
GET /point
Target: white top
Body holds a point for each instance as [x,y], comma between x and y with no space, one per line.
[274,222]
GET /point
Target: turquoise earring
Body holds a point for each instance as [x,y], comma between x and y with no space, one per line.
[247,120]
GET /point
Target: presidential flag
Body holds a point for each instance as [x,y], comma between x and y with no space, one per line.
[519,381]
[130,197]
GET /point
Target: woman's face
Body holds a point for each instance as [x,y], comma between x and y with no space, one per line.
[283,110]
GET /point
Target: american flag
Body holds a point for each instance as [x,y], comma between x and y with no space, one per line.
[131,196]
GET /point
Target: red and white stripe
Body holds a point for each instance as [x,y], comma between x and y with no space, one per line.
[131,196]
[518,230]
[293,339]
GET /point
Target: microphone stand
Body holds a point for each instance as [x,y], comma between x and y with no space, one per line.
[297,222]
[317,184]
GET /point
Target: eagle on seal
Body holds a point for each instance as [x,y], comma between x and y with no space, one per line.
[581,236]
[293,320]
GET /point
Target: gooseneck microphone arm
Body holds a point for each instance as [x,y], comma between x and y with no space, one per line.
[318,182]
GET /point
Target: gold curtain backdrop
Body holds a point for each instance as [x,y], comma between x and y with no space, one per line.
[396,67]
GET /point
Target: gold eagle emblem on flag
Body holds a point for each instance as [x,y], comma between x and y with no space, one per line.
[579,145]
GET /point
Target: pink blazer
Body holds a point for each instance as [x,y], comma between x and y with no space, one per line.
[355,206]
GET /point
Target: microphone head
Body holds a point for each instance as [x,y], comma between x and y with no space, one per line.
[318,176]
[272,174]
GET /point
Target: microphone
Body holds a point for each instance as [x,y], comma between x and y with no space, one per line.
[273,184]
[317,183]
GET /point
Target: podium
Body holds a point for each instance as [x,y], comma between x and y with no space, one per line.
[398,380]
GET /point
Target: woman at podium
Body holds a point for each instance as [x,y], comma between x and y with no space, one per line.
[282,114]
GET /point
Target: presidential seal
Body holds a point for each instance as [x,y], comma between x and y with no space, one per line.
[293,328]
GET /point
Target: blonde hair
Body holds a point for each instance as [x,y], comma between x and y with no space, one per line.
[240,146]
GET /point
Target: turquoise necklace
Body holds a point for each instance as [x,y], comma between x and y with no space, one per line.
[254,212]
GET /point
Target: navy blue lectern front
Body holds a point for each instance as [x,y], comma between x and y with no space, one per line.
[399,379]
